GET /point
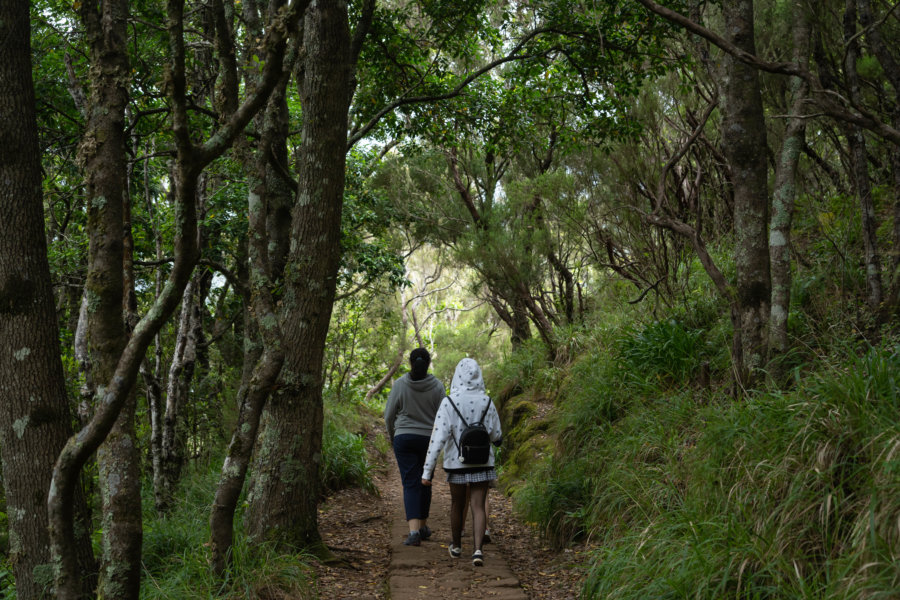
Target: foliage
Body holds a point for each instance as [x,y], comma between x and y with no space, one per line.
[663,350]
[176,561]
[344,460]
[786,494]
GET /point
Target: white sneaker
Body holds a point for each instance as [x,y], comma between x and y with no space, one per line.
[478,559]
[455,551]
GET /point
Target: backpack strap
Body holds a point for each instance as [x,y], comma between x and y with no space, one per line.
[453,404]
[484,413]
[455,441]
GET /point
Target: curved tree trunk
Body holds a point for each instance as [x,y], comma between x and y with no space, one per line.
[256,390]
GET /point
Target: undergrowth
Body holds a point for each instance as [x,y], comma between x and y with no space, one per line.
[175,555]
[175,551]
[684,492]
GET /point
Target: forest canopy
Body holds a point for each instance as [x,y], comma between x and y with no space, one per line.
[227,222]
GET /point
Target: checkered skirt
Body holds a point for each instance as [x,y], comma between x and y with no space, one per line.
[488,474]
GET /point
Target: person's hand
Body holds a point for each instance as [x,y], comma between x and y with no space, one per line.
[426,482]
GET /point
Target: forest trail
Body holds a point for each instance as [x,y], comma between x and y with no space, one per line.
[428,571]
[365,531]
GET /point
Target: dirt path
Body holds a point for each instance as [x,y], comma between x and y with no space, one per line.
[366,531]
[428,571]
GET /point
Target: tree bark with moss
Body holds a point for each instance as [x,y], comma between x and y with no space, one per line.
[284,493]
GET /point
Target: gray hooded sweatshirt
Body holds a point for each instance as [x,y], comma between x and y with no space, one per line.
[411,405]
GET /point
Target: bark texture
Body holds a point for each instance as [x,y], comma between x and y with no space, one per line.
[785,192]
[744,132]
[285,490]
[255,391]
[34,415]
[102,155]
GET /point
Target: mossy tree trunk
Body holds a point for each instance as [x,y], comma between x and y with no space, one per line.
[744,133]
[285,488]
[103,157]
[269,223]
[783,197]
[35,419]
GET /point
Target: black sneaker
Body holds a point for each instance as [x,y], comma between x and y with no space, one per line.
[487,537]
[455,551]
[425,532]
[414,539]
[478,559]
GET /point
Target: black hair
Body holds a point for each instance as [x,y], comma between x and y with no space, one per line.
[419,360]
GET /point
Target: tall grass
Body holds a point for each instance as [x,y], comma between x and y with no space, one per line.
[344,460]
[176,558]
[785,496]
[683,494]
[175,552]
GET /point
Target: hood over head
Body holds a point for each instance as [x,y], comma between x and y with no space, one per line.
[467,377]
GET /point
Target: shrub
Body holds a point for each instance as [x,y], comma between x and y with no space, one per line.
[344,460]
[663,350]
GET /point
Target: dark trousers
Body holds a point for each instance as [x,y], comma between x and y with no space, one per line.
[410,450]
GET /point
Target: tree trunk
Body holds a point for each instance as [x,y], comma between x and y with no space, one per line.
[190,161]
[285,490]
[881,49]
[860,166]
[167,466]
[783,197]
[515,317]
[744,132]
[102,154]
[256,390]
[35,419]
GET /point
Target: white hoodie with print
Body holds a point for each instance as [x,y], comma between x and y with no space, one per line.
[468,394]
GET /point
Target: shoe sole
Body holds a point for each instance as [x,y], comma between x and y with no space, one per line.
[478,561]
[456,554]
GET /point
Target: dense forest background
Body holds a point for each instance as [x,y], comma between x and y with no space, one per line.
[670,233]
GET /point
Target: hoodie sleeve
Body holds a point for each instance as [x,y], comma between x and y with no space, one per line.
[492,423]
[439,434]
[390,411]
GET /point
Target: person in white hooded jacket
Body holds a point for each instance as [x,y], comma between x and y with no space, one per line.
[467,393]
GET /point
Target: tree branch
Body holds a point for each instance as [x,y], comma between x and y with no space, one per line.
[511,56]
[825,98]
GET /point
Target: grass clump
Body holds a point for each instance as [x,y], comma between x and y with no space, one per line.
[663,350]
[345,462]
[176,557]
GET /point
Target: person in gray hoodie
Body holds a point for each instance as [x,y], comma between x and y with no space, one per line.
[409,418]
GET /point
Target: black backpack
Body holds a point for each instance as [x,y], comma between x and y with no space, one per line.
[474,442]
